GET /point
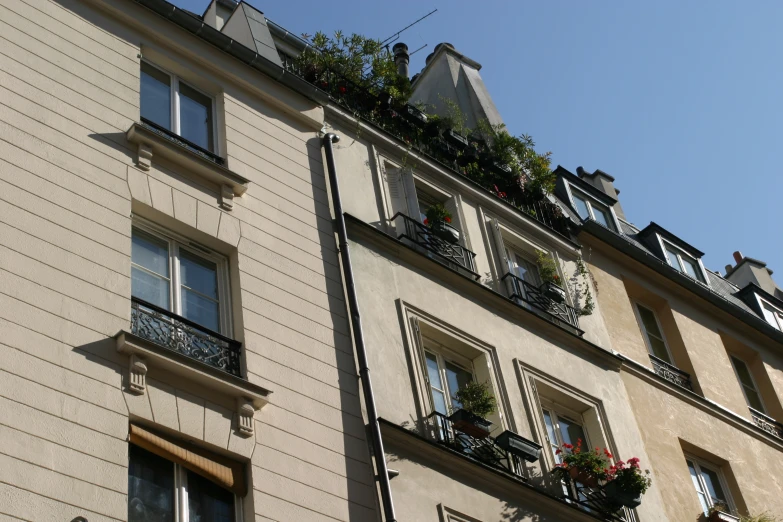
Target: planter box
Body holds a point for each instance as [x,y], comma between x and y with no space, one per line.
[553,292]
[458,140]
[519,446]
[468,156]
[446,232]
[620,497]
[499,169]
[470,424]
[414,115]
[720,516]
[583,477]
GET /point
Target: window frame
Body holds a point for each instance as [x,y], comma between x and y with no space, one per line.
[774,310]
[734,357]
[590,201]
[666,245]
[556,411]
[176,242]
[442,355]
[174,116]
[645,333]
[698,464]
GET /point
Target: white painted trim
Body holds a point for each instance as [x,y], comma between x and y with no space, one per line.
[679,251]
[775,310]
[701,463]
[590,199]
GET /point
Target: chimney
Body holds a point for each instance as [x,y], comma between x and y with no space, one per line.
[402,59]
[738,257]
[750,270]
[605,183]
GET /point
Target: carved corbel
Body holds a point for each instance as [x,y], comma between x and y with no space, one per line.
[137,375]
[144,160]
[245,413]
[227,197]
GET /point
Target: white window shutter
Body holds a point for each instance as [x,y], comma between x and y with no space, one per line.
[454,207]
[411,198]
[500,251]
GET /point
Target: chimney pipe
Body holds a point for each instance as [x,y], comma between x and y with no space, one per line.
[402,59]
[738,257]
[728,268]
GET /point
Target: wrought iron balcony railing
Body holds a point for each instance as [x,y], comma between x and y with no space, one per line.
[556,312]
[179,140]
[595,501]
[454,256]
[767,423]
[180,335]
[484,450]
[671,373]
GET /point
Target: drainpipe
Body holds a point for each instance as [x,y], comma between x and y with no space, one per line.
[358,334]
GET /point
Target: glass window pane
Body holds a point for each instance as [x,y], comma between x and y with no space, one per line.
[571,432]
[195,117]
[742,372]
[150,252]
[150,487]
[712,483]
[659,349]
[208,502]
[705,505]
[155,95]
[439,401]
[456,378]
[200,310]
[432,370]
[602,215]
[754,400]
[690,267]
[581,207]
[649,322]
[769,315]
[198,274]
[673,259]
[550,431]
[150,288]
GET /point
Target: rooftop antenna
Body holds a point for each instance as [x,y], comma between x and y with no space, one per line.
[419,49]
[396,36]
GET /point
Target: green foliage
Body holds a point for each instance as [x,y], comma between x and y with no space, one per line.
[436,214]
[455,119]
[584,289]
[763,517]
[591,461]
[547,268]
[629,477]
[476,398]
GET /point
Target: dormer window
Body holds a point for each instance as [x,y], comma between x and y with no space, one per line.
[772,315]
[588,208]
[683,262]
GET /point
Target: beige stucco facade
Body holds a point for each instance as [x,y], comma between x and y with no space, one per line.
[77,172]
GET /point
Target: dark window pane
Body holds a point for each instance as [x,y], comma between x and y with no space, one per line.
[200,310]
[195,117]
[208,502]
[150,288]
[150,252]
[155,95]
[602,215]
[198,274]
[581,207]
[150,487]
[456,378]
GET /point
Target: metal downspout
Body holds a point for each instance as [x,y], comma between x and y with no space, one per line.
[358,334]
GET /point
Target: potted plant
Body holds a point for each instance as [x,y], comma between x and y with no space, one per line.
[720,512]
[519,446]
[414,115]
[584,466]
[477,403]
[626,483]
[547,269]
[456,139]
[439,221]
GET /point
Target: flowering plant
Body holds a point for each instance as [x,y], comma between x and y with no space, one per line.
[629,477]
[547,268]
[437,214]
[593,461]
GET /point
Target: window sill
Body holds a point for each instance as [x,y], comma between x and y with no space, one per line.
[249,397]
[151,142]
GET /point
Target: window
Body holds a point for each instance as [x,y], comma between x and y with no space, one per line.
[710,485]
[161,491]
[653,333]
[173,275]
[446,376]
[752,395]
[563,428]
[772,315]
[683,262]
[425,202]
[175,106]
[590,209]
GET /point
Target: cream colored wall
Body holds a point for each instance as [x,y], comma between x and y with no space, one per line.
[69,80]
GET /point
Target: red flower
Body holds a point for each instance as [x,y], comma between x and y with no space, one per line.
[342,89]
[608,455]
[426,221]
[568,446]
[558,452]
[447,219]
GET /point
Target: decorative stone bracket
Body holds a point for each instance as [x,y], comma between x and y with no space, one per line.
[151,142]
[145,355]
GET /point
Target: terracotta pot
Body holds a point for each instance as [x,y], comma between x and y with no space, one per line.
[470,424]
[583,477]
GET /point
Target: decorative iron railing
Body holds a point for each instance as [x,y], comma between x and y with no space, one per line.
[179,140]
[180,335]
[407,123]
[767,423]
[454,256]
[556,312]
[671,373]
[595,501]
[484,450]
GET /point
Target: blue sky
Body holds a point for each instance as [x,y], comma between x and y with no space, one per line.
[682,102]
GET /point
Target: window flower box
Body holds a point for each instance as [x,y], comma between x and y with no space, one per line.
[446,232]
[519,446]
[619,496]
[470,424]
[583,477]
[414,115]
[553,292]
[456,139]
[717,515]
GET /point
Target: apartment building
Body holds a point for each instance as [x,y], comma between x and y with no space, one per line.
[207,249]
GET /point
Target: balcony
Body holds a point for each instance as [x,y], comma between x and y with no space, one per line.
[671,373]
[767,423]
[454,256]
[595,501]
[524,292]
[175,333]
